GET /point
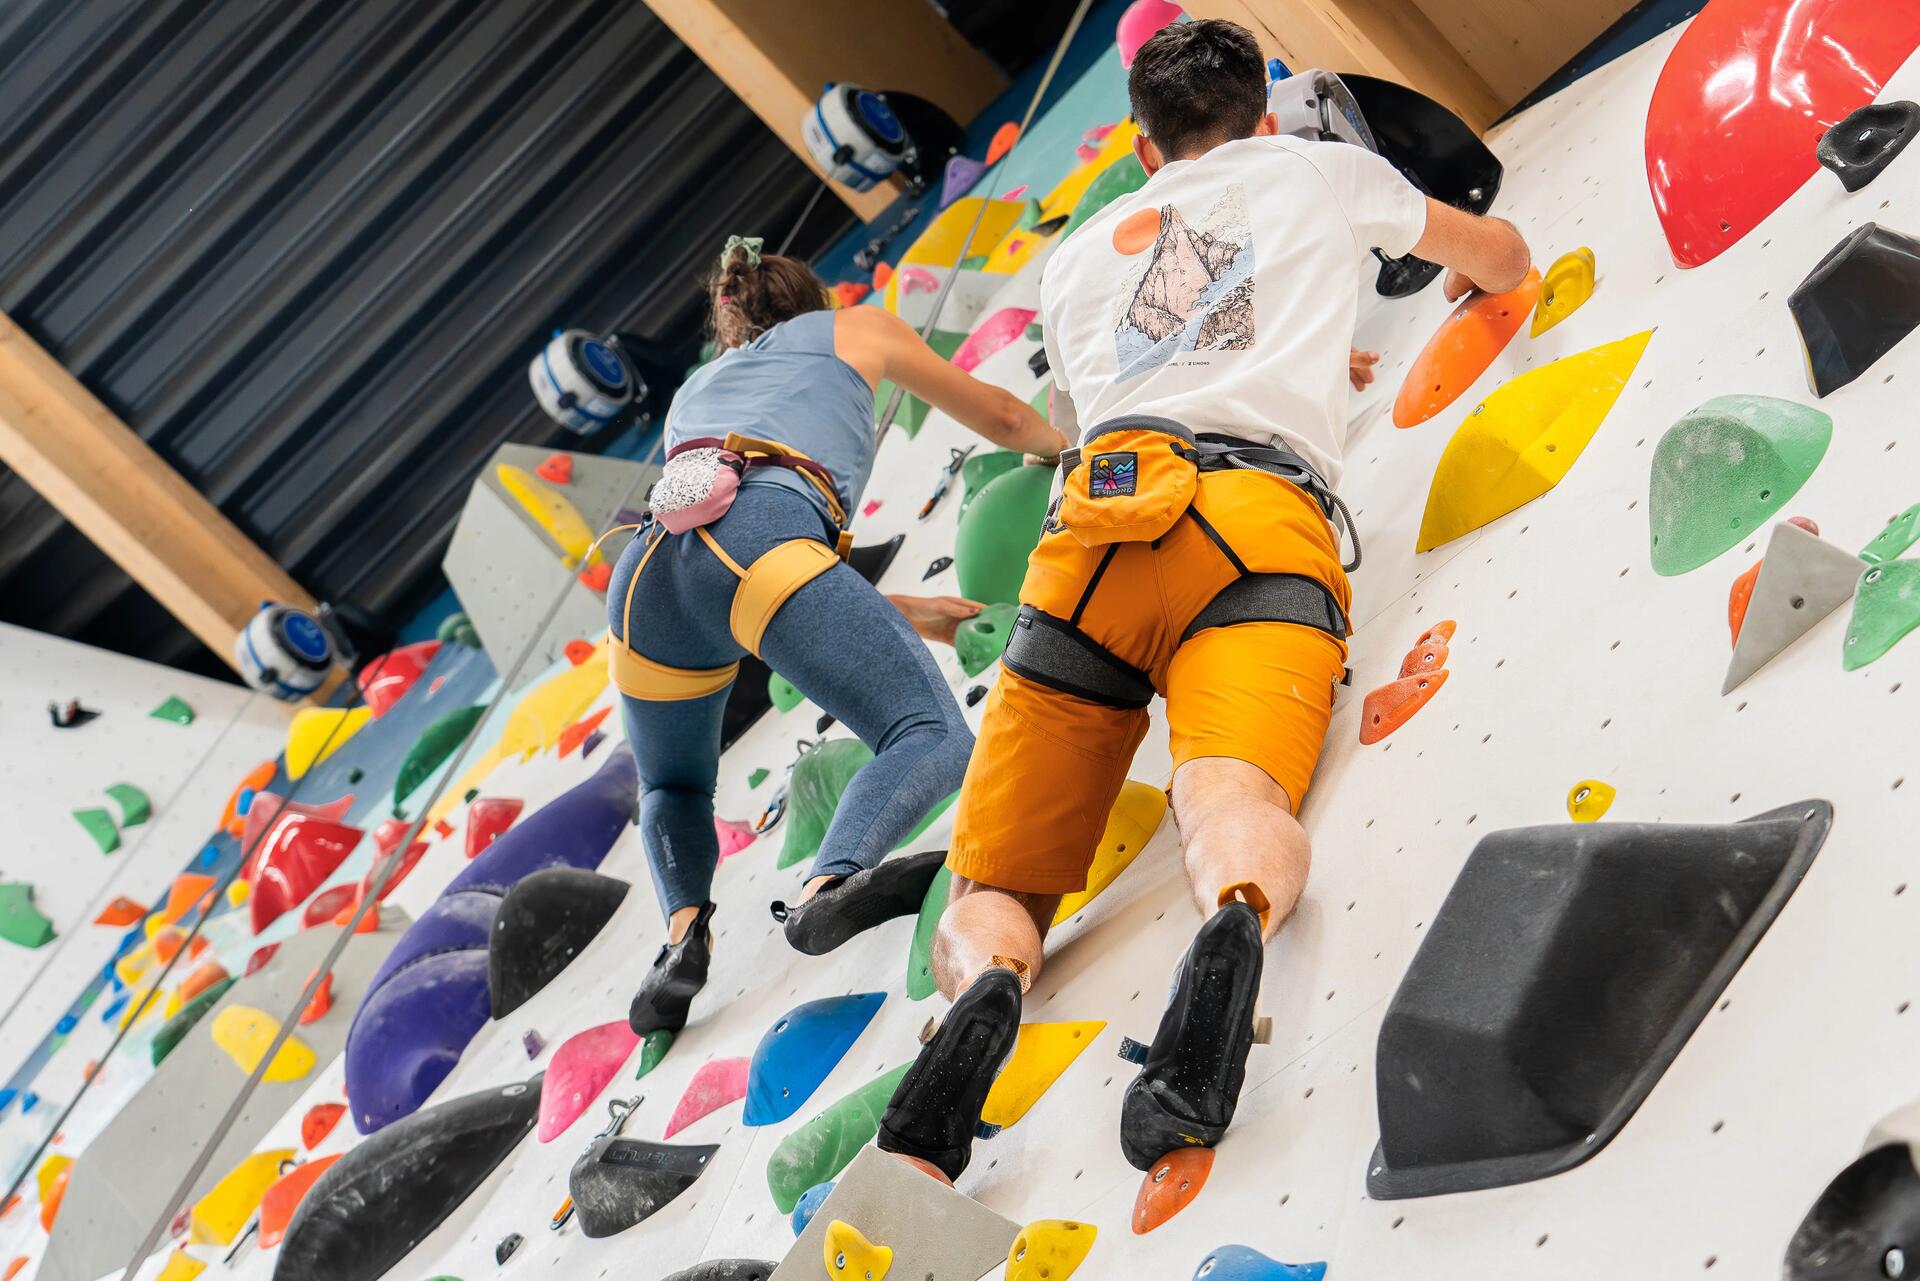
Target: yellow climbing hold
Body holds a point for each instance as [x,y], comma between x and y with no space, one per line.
[1564,289]
[851,1257]
[1589,799]
[939,245]
[181,1266]
[219,1216]
[245,1033]
[549,509]
[1523,439]
[238,892]
[1041,1053]
[318,732]
[50,1169]
[1049,1250]
[534,724]
[1135,817]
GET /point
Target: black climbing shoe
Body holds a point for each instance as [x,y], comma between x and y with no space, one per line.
[846,907]
[1190,1078]
[936,1109]
[678,973]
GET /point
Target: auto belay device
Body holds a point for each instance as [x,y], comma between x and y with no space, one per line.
[860,138]
[584,382]
[287,652]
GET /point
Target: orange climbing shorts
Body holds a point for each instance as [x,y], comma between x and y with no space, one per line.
[1048,766]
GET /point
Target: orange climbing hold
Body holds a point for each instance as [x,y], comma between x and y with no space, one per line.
[848,293]
[256,778]
[578,651]
[882,273]
[318,1123]
[122,911]
[187,891]
[1393,704]
[1003,139]
[322,1001]
[1740,595]
[597,577]
[557,468]
[1427,656]
[204,976]
[167,944]
[1466,343]
[575,734]
[1441,632]
[1170,1187]
[56,1193]
[14,1268]
[284,1197]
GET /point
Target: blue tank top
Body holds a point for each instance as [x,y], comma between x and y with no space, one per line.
[786,385]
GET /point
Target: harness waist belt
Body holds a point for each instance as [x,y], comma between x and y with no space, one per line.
[637,676]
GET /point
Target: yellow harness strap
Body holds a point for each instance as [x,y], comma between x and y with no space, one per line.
[638,676]
[769,583]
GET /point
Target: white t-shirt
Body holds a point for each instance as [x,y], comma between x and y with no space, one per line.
[1223,294]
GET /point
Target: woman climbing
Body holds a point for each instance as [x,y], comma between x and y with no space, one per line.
[769,448]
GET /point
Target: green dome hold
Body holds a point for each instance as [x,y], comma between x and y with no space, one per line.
[980,640]
[979,469]
[1723,470]
[457,629]
[1121,178]
[782,691]
[998,531]
[814,793]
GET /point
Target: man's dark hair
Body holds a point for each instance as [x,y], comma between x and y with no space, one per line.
[1196,85]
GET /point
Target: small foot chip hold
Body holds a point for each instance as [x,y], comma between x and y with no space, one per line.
[810,1203]
[1723,470]
[1049,1250]
[974,694]
[174,709]
[653,1048]
[69,715]
[20,921]
[851,1257]
[800,1051]
[1900,534]
[1866,1225]
[1464,347]
[1886,606]
[1170,1187]
[135,807]
[1565,289]
[620,1182]
[99,825]
[1392,705]
[508,1245]
[556,467]
[1566,969]
[758,777]
[1802,578]
[1859,148]
[1240,1263]
[1589,800]
[1857,305]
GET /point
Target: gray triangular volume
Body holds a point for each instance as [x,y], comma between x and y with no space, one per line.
[1803,578]
[935,1233]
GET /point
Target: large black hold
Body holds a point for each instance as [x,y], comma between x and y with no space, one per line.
[1861,300]
[384,1196]
[1866,1225]
[1564,972]
[1866,142]
[619,1182]
[541,925]
[726,1270]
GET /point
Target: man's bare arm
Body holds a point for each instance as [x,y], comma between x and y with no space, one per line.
[1483,253]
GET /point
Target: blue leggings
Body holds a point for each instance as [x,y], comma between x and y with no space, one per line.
[837,639]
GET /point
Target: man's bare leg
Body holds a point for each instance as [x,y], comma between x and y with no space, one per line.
[985,927]
[1241,839]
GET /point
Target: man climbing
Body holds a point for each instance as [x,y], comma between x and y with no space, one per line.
[1202,326]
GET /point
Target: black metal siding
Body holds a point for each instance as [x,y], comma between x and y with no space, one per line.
[306,248]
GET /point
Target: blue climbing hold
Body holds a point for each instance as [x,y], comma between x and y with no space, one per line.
[29,1101]
[66,1024]
[809,1204]
[1238,1263]
[243,802]
[115,1007]
[7,1096]
[208,856]
[800,1050]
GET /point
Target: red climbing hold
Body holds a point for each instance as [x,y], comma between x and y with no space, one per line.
[408,862]
[390,833]
[268,806]
[1393,704]
[283,1198]
[322,1002]
[442,828]
[1170,1187]
[557,468]
[122,911]
[386,680]
[882,273]
[596,578]
[578,651]
[575,734]
[849,292]
[326,905]
[318,1123]
[299,853]
[260,957]
[487,818]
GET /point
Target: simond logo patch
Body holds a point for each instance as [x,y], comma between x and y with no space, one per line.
[1112,475]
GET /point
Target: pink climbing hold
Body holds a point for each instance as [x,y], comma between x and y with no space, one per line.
[1086,153]
[962,173]
[873,505]
[915,280]
[993,333]
[580,1069]
[715,1085]
[386,680]
[734,836]
[1016,193]
[1142,20]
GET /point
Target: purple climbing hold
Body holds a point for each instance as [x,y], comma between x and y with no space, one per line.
[592,741]
[533,1043]
[962,173]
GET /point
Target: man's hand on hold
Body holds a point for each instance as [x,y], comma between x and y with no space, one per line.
[936,617]
[1360,367]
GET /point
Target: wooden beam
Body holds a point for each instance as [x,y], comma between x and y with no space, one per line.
[777,56]
[59,438]
[1516,45]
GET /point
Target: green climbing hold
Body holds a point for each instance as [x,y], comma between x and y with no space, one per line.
[813,794]
[436,743]
[135,808]
[920,984]
[820,1149]
[1036,332]
[20,921]
[1901,533]
[912,414]
[471,793]
[1886,606]
[457,629]
[1721,471]
[998,531]
[355,774]
[1123,177]
[782,691]
[980,640]
[175,1029]
[976,263]
[979,469]
[175,710]
[653,1049]
[920,828]
[758,777]
[99,825]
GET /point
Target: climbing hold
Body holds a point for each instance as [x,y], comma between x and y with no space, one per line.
[1885,608]
[135,807]
[1122,178]
[1002,141]
[1239,1263]
[1900,534]
[1588,800]
[245,1033]
[53,1189]
[232,818]
[1424,658]
[181,1266]
[487,818]
[556,467]
[577,651]
[974,694]
[386,680]
[1857,305]
[1801,580]
[1722,470]
[1136,815]
[809,1206]
[580,1069]
[279,1202]
[1866,142]
[620,1182]
[820,1149]
[652,1050]
[542,924]
[508,1244]
[550,510]
[799,1052]
[203,976]
[920,984]
[733,836]
[1772,76]
[261,955]
[758,777]
[321,1003]
[1464,347]
[1565,970]
[173,709]
[184,895]
[784,693]
[1049,1250]
[218,1217]
[238,892]
[70,714]
[99,825]
[1392,705]
[938,565]
[848,293]
[436,743]
[1523,439]
[1170,1187]
[1140,22]
[293,860]
[316,733]
[577,733]
[329,903]
[992,334]
[998,531]
[457,629]
[1866,1223]
[318,1123]
[1041,1052]
[980,640]
[20,921]
[717,1083]
[975,474]
[122,911]
[417,1171]
[819,778]
[1564,289]
[851,1257]
[961,174]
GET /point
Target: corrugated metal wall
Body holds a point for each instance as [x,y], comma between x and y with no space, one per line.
[306,248]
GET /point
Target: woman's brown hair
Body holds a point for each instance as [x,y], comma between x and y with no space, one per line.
[752,292]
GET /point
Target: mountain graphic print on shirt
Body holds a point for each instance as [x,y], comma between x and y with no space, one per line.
[1189,288]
